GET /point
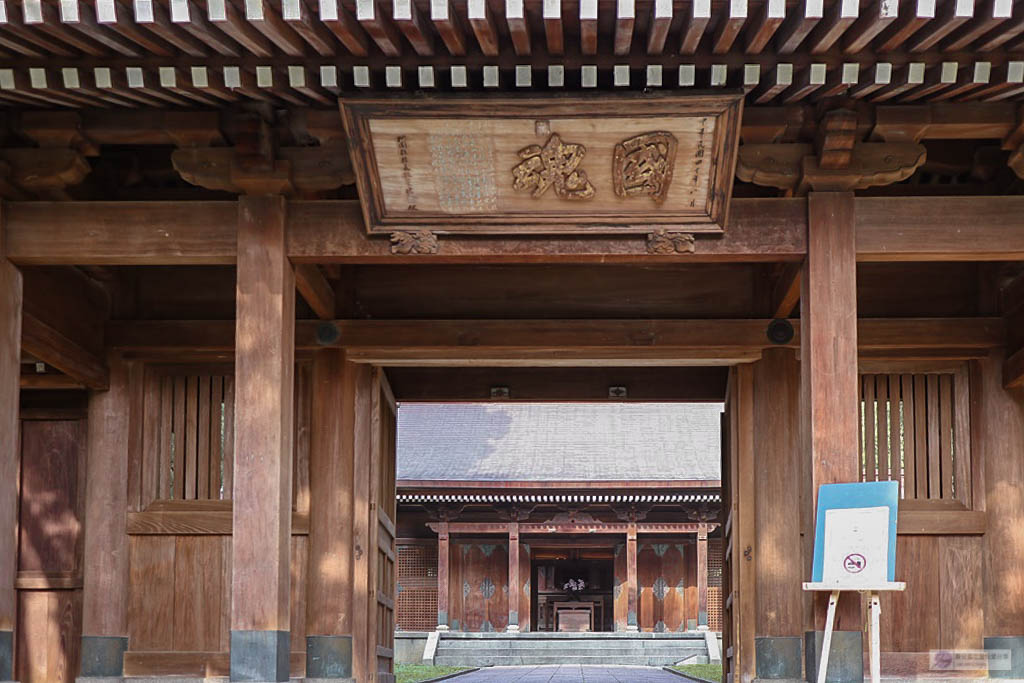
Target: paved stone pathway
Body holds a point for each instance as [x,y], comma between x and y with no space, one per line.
[569,673]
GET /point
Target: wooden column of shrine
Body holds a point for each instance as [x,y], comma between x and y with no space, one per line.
[105,559]
[702,577]
[829,393]
[264,372]
[513,577]
[442,576]
[10,369]
[631,579]
[329,575]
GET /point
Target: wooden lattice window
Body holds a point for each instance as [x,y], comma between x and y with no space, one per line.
[715,584]
[416,609]
[190,433]
[915,429]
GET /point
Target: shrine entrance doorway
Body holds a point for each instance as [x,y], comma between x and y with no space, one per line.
[574,588]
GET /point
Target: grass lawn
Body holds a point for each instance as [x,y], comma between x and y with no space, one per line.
[709,672]
[411,673]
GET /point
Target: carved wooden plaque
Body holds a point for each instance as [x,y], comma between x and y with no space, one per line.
[610,163]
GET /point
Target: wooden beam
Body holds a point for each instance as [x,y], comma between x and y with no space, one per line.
[939,229]
[52,347]
[554,384]
[329,579]
[765,230]
[10,455]
[556,342]
[942,522]
[786,290]
[49,381]
[315,289]
[828,349]
[606,528]
[105,595]
[264,368]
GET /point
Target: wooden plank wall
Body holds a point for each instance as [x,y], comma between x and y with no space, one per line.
[960,587]
[49,581]
[175,579]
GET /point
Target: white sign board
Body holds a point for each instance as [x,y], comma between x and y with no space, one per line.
[856,547]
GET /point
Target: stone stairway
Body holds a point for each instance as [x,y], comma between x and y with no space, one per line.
[512,649]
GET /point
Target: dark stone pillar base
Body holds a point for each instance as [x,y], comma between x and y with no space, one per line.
[779,657]
[260,655]
[103,656]
[329,657]
[1015,644]
[6,655]
[845,663]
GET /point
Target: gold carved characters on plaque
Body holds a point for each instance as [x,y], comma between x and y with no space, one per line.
[555,165]
[643,165]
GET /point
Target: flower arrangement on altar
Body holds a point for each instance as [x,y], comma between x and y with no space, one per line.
[574,587]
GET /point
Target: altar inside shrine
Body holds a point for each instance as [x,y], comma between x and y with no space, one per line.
[575,615]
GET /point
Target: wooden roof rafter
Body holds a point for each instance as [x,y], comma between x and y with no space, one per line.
[408,44]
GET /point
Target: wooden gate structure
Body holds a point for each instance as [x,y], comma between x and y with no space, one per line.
[211,272]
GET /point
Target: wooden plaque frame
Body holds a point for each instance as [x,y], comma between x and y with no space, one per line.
[694,136]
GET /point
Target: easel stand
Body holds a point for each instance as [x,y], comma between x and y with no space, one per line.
[874,610]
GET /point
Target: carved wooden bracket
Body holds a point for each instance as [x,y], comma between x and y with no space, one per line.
[418,242]
[44,173]
[632,512]
[795,166]
[516,513]
[1016,161]
[293,170]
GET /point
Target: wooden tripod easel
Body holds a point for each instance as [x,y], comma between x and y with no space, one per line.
[874,612]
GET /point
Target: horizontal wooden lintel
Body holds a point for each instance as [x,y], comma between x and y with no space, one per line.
[759,230]
[618,528]
[552,342]
[196,522]
[941,522]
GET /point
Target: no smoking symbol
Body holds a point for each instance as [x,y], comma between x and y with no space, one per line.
[854,563]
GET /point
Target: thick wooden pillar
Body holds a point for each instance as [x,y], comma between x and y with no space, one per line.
[442,576]
[702,577]
[329,575]
[105,559]
[10,370]
[829,396]
[778,550]
[264,377]
[997,426]
[513,577]
[631,579]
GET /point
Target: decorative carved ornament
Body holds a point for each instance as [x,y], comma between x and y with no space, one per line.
[555,165]
[573,517]
[667,242]
[418,242]
[643,165]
